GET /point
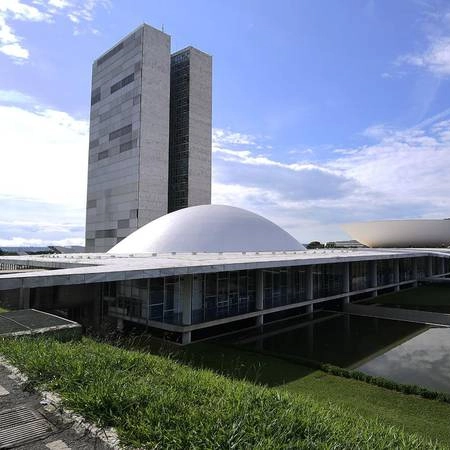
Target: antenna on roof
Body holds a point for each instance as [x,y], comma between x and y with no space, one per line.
[162,28]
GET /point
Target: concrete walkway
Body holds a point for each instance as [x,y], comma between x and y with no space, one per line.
[26,424]
[407,315]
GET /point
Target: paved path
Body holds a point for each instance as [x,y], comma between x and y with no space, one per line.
[24,423]
[408,315]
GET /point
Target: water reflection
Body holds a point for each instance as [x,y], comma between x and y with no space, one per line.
[342,340]
[402,351]
[422,360]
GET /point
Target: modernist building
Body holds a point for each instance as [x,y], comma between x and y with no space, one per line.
[190,129]
[401,233]
[150,135]
[200,270]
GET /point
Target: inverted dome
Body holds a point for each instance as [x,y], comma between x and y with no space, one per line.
[211,229]
[401,233]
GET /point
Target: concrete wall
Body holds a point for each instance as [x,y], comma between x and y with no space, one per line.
[154,148]
[127,172]
[200,128]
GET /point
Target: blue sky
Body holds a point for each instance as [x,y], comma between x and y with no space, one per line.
[324,112]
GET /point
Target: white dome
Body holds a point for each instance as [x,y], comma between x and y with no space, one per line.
[211,229]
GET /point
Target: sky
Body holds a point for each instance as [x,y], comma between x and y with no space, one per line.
[324,112]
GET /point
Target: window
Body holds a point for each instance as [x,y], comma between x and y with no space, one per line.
[123,223]
[128,145]
[103,155]
[95,96]
[105,233]
[110,54]
[120,132]
[122,83]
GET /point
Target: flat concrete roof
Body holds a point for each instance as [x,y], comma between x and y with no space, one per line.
[31,321]
[84,268]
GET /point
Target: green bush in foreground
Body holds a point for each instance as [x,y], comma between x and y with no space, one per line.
[154,402]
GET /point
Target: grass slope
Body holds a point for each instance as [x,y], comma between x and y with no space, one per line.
[155,402]
[427,418]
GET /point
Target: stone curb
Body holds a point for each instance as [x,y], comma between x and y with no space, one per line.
[52,403]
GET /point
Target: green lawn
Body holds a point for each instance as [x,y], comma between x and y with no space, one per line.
[2,310]
[428,418]
[156,402]
[432,295]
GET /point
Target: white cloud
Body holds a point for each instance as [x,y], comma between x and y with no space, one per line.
[403,174]
[435,59]
[306,151]
[60,4]
[10,43]
[247,157]
[16,97]
[43,172]
[77,11]
[226,137]
[44,154]
[35,242]
[18,10]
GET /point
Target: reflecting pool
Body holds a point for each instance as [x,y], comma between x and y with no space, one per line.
[423,360]
[405,352]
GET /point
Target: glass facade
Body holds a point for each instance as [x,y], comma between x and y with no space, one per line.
[223,294]
[446,265]
[157,299]
[328,280]
[226,294]
[385,272]
[359,276]
[421,267]
[214,296]
[283,286]
[440,265]
[179,131]
[406,269]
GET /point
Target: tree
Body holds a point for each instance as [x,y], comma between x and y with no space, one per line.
[314,244]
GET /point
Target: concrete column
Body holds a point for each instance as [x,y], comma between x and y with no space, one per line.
[259,296]
[441,266]
[186,337]
[186,299]
[429,267]
[346,286]
[309,283]
[259,290]
[396,274]
[24,298]
[373,273]
[186,302]
[309,309]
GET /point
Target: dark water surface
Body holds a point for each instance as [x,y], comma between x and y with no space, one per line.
[402,351]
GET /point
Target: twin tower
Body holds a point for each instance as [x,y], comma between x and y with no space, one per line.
[150,135]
